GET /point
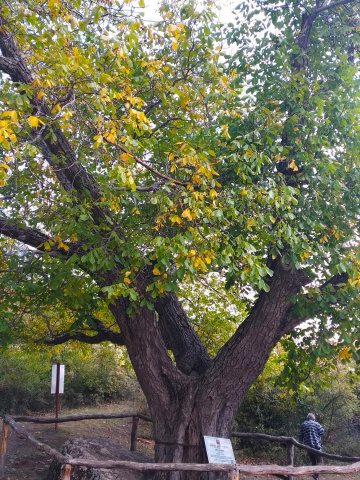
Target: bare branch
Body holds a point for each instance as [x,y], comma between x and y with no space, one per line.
[113,337]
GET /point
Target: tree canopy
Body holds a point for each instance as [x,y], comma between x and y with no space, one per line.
[137,157]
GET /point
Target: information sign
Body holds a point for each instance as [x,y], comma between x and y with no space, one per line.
[219,450]
[54,378]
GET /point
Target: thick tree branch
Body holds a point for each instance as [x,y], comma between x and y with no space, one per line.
[180,337]
[111,336]
[290,321]
[243,357]
[336,280]
[329,6]
[306,27]
[160,379]
[29,236]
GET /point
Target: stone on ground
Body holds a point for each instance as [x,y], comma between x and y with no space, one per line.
[98,448]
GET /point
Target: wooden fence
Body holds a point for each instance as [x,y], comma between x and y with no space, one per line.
[233,470]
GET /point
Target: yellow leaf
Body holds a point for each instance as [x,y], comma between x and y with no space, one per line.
[156,271]
[10,113]
[175,219]
[187,214]
[56,108]
[224,131]
[34,121]
[345,353]
[213,194]
[125,157]
[293,166]
[126,280]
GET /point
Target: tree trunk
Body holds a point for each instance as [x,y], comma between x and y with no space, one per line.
[179,435]
[186,406]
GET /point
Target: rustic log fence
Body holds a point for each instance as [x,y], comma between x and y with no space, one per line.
[288,471]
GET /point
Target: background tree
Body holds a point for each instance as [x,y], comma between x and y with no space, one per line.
[131,162]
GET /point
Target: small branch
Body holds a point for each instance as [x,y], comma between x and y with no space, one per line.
[150,188]
[141,162]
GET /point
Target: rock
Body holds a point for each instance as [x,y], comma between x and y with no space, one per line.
[98,448]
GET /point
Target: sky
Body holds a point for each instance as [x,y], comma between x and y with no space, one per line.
[225,13]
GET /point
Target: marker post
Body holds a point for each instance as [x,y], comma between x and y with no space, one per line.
[57,385]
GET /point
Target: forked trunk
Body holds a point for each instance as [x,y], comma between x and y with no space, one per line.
[197,396]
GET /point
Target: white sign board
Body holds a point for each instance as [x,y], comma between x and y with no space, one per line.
[219,450]
[61,378]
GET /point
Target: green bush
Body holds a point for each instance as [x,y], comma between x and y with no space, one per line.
[93,375]
[24,383]
[267,409]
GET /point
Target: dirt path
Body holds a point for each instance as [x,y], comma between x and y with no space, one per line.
[25,462]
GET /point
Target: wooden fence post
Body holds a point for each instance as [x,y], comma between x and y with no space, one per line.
[290,456]
[3,450]
[234,474]
[66,473]
[135,424]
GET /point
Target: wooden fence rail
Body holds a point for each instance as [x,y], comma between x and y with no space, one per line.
[295,443]
[67,461]
[77,418]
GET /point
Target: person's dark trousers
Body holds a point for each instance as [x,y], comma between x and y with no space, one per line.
[315,460]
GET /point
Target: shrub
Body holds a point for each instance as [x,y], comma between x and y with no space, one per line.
[93,375]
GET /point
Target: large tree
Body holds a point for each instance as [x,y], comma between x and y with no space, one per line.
[132,160]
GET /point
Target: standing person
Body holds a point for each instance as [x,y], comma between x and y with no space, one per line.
[310,435]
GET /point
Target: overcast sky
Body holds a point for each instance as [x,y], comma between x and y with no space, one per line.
[225,13]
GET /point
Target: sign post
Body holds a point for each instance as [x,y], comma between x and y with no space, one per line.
[57,385]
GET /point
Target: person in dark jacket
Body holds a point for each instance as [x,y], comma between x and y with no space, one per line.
[310,435]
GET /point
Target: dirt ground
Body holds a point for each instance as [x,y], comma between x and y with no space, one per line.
[25,462]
